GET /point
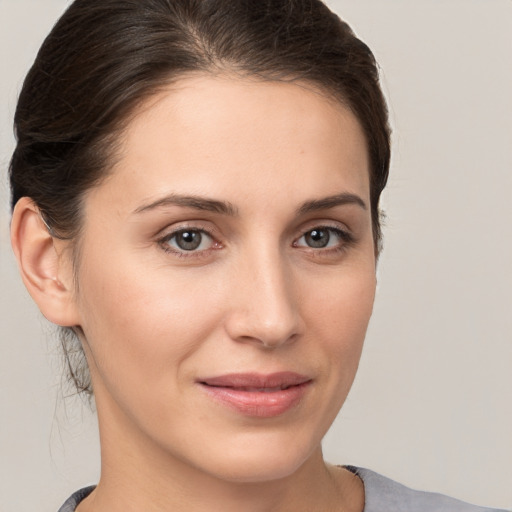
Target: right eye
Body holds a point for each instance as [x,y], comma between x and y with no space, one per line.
[187,240]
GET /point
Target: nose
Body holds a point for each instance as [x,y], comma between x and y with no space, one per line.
[265,305]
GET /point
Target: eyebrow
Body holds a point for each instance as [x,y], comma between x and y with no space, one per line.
[195,202]
[227,208]
[331,202]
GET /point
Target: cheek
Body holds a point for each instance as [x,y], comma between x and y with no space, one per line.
[141,323]
[340,315]
[343,305]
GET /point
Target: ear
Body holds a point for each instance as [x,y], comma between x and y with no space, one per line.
[44,263]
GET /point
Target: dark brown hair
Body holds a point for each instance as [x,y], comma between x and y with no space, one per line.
[104,57]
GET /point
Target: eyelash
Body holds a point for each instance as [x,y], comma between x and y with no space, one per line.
[346,238]
[163,242]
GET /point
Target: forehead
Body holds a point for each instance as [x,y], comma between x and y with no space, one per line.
[210,133]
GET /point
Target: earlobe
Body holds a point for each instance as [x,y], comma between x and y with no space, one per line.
[45,269]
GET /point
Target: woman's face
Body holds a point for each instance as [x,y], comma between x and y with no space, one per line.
[227,276]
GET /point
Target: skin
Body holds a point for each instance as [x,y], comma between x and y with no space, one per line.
[253,297]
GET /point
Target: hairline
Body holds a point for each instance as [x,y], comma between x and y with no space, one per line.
[137,106]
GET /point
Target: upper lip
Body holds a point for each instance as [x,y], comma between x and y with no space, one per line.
[281,380]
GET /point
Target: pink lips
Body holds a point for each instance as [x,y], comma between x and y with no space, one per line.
[258,395]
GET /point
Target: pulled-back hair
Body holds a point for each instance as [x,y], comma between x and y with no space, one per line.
[103,58]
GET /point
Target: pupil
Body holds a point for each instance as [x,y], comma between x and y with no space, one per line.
[188,240]
[318,238]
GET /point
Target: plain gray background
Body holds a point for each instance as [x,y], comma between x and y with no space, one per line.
[432,403]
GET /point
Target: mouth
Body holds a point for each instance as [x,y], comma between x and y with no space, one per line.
[257,395]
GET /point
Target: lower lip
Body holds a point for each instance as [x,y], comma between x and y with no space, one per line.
[258,403]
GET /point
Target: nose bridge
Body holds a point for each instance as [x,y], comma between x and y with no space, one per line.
[265,306]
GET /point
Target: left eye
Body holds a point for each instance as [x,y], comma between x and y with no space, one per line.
[321,238]
[189,240]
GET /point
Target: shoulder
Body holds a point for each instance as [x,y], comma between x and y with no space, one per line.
[383,495]
[73,501]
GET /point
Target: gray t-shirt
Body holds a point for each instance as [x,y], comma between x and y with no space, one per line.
[381,495]
[384,495]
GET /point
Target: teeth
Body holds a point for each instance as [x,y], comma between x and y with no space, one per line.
[255,389]
[264,390]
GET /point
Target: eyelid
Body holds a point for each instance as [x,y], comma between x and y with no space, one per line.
[171,231]
[344,234]
[332,225]
[347,238]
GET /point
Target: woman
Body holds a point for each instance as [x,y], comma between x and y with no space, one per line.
[196,201]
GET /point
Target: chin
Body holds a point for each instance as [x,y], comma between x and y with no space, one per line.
[264,461]
[257,471]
